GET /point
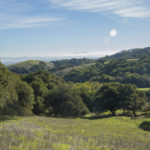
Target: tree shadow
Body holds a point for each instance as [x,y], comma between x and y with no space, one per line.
[145,125]
[6,118]
[96,117]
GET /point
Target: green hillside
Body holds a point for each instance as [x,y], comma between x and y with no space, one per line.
[67,66]
[30,66]
[129,54]
[26,64]
[130,66]
[63,72]
[135,70]
[59,67]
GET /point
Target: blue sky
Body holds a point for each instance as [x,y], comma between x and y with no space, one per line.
[72,27]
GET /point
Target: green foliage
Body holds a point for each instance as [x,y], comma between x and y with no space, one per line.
[25,98]
[63,64]
[53,96]
[119,70]
[44,93]
[30,66]
[50,95]
[114,96]
[108,98]
[54,66]
[87,92]
[16,97]
[62,101]
[40,91]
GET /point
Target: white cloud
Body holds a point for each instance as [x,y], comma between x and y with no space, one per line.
[16,14]
[94,53]
[20,22]
[122,8]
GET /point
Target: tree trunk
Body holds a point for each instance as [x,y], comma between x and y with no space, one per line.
[134,113]
[113,112]
[124,112]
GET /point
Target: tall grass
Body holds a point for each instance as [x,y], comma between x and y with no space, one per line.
[43,133]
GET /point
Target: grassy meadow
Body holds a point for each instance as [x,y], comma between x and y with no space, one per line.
[144,89]
[88,133]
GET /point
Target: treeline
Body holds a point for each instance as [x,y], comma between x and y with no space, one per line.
[43,93]
[126,71]
[116,96]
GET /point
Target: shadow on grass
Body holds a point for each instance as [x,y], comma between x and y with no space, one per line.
[145,125]
[6,118]
[96,117]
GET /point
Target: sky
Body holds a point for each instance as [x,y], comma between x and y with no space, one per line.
[72,27]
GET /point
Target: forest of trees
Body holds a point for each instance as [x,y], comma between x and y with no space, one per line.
[43,93]
[107,84]
[134,71]
[53,66]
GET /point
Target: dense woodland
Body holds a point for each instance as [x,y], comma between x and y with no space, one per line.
[135,71]
[108,84]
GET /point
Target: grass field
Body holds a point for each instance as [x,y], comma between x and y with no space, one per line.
[89,133]
[144,89]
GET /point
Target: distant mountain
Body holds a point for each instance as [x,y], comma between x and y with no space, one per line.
[129,54]
[132,66]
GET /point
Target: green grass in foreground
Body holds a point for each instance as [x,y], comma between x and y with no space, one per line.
[95,133]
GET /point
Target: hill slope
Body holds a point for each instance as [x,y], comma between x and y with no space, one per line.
[129,54]
[54,66]
[130,68]
[30,66]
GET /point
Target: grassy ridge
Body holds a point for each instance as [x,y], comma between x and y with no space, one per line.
[93,133]
[26,64]
[30,66]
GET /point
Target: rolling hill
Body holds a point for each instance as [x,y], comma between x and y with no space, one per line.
[129,54]
[30,66]
[55,66]
[131,66]
[125,67]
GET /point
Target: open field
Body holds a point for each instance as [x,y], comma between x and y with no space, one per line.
[144,89]
[93,133]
